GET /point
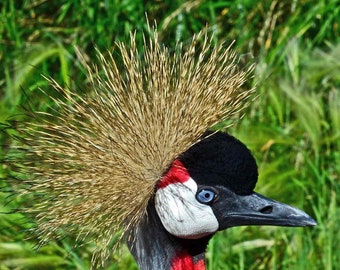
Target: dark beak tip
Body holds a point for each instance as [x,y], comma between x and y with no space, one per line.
[306,224]
[311,223]
[304,221]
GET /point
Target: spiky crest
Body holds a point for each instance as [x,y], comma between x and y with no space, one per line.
[92,165]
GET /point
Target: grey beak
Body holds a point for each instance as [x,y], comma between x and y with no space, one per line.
[255,209]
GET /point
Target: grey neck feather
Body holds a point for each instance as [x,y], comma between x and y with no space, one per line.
[154,248]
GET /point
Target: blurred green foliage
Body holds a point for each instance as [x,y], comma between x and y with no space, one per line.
[293,127]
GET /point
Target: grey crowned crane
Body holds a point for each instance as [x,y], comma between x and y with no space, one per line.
[133,157]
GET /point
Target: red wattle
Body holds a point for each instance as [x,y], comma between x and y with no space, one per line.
[184,261]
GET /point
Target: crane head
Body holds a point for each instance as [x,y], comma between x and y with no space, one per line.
[210,187]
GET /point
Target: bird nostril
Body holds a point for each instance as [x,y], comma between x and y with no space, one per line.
[267,209]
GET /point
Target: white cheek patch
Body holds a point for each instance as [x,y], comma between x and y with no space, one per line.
[180,212]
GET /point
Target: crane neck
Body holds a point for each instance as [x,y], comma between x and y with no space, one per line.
[155,249]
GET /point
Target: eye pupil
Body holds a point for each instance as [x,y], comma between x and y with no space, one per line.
[205,195]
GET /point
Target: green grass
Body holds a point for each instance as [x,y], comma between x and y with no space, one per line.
[293,127]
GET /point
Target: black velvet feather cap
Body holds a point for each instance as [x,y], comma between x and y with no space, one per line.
[221,159]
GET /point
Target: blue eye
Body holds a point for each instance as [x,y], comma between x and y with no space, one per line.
[205,195]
